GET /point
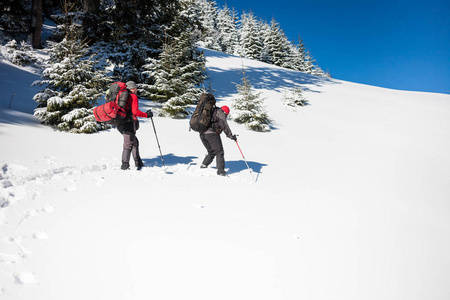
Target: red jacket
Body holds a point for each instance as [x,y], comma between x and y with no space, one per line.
[133,106]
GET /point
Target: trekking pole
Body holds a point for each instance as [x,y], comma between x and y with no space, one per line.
[10,101]
[251,172]
[157,141]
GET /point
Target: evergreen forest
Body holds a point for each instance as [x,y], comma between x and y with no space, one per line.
[156,43]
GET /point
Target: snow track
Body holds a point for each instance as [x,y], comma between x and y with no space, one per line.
[23,198]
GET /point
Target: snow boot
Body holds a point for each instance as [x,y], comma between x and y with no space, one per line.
[221,173]
[126,153]
[139,164]
[203,166]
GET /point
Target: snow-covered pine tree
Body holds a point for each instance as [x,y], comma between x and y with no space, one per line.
[294,97]
[265,51]
[277,45]
[250,37]
[296,57]
[174,79]
[189,17]
[123,59]
[302,60]
[255,39]
[208,18]
[248,107]
[20,54]
[319,72]
[14,17]
[309,62]
[73,87]
[227,27]
[128,32]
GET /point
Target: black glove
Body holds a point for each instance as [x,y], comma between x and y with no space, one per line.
[234,137]
[149,113]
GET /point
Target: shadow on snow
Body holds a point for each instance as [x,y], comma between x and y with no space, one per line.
[237,166]
[268,77]
[234,166]
[9,116]
[169,160]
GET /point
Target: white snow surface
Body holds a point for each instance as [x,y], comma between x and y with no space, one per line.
[351,199]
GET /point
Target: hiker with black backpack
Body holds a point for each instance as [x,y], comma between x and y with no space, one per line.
[216,123]
[128,128]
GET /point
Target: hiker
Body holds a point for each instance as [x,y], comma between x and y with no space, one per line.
[212,141]
[129,127]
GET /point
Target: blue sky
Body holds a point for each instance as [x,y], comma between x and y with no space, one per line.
[396,44]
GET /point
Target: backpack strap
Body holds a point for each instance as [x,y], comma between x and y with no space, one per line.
[214,120]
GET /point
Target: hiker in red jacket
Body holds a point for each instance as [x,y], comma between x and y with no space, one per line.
[212,141]
[128,129]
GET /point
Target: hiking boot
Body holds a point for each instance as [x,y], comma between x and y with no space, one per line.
[125,166]
[221,173]
[203,166]
[139,164]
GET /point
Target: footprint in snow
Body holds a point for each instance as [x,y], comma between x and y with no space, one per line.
[70,188]
[4,202]
[9,258]
[40,236]
[48,208]
[6,184]
[26,278]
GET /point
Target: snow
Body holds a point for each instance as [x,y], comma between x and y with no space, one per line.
[351,200]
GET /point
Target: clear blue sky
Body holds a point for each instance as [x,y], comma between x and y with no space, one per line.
[396,44]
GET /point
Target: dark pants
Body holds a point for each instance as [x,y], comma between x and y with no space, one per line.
[130,141]
[213,143]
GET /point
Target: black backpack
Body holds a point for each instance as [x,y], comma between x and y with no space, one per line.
[201,118]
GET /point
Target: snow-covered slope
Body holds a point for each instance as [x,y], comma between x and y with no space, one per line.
[351,200]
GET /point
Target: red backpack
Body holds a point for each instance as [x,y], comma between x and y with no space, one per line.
[113,111]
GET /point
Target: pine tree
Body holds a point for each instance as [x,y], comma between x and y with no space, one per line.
[126,33]
[208,19]
[277,45]
[296,57]
[14,17]
[227,27]
[308,63]
[248,109]
[250,37]
[261,41]
[294,97]
[20,54]
[123,59]
[266,55]
[73,87]
[189,19]
[302,60]
[174,79]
